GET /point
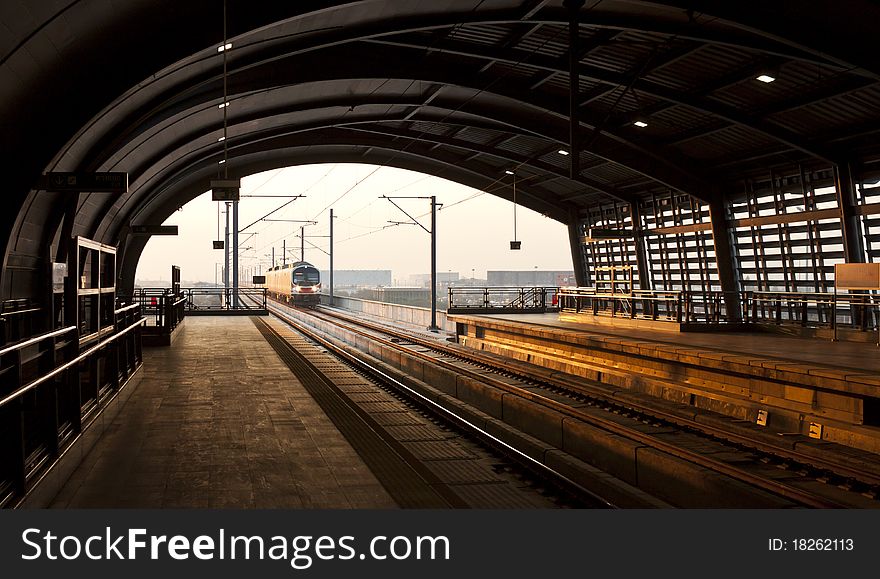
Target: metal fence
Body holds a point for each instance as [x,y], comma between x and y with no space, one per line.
[50,391]
[463,300]
[853,311]
[155,301]
[835,311]
[672,306]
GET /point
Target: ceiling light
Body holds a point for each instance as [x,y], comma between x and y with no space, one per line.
[222,105]
[641,124]
[508,172]
[766,78]
[221,139]
[562,152]
[223,47]
[221,161]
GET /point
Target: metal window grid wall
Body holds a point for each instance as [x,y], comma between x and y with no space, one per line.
[869,194]
[608,253]
[776,248]
[679,244]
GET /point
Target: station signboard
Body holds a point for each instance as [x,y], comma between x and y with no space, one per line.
[154,229]
[259,280]
[225,189]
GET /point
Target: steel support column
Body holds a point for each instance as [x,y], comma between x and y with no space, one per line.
[849,221]
[575,235]
[574,7]
[724,258]
[641,251]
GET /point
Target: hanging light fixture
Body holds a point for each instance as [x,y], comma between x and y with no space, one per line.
[515,244]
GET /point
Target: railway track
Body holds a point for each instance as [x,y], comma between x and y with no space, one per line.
[804,480]
[429,467]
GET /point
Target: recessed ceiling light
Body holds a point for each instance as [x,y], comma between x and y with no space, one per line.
[222,105]
[562,152]
[766,78]
[223,47]
[221,139]
[641,124]
[508,171]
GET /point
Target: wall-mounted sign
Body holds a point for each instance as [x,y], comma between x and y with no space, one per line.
[85,182]
[857,276]
[218,244]
[515,244]
[154,229]
[59,272]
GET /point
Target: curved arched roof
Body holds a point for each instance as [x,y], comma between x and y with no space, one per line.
[461,88]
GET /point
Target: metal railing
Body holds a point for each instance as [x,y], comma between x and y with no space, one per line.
[163,308]
[222,299]
[50,391]
[834,311]
[659,305]
[18,320]
[502,299]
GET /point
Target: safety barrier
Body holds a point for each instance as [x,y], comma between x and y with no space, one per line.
[50,392]
[475,300]
[658,305]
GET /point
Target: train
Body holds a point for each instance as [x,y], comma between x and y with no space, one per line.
[296,283]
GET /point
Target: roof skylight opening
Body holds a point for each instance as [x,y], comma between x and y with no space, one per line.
[766,78]
[640,124]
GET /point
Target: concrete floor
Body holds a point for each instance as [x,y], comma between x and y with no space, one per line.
[220,421]
[855,355]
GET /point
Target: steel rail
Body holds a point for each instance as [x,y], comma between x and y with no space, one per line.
[597,393]
[804,497]
[462,422]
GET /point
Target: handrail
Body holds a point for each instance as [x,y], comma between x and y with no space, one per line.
[5,400]
[36,339]
[126,308]
[19,312]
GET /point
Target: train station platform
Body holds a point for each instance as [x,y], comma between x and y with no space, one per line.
[829,389]
[219,421]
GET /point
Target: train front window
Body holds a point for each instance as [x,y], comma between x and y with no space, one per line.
[307,277]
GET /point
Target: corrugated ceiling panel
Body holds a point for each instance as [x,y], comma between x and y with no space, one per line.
[701,68]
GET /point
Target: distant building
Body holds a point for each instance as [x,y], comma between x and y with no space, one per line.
[444,278]
[407,296]
[357,277]
[530,278]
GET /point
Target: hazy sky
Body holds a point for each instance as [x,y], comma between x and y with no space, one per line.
[473,232]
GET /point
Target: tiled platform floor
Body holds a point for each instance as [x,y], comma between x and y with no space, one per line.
[219,421]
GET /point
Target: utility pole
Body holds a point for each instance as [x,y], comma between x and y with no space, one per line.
[226,253]
[283,253]
[331,256]
[433,232]
[235,254]
[433,327]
